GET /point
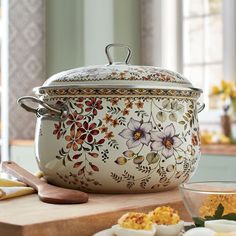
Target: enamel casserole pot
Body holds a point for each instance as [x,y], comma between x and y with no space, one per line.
[116,128]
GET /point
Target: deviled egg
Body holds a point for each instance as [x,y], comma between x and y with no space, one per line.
[200,231]
[167,221]
[221,225]
[134,224]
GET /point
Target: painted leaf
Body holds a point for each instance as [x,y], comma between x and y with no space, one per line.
[166,104]
[77,164]
[170,168]
[152,158]
[174,105]
[93,154]
[128,153]
[101,141]
[178,174]
[186,118]
[81,171]
[161,116]
[77,156]
[180,108]
[138,160]
[95,168]
[173,117]
[185,126]
[121,160]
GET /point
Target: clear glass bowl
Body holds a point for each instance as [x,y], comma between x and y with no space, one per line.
[202,199]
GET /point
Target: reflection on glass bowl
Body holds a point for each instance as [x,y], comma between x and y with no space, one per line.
[202,199]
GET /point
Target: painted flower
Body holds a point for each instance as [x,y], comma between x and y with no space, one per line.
[115,122]
[139,104]
[125,112]
[74,139]
[114,101]
[107,118]
[88,131]
[165,141]
[74,119]
[58,130]
[94,104]
[103,129]
[129,105]
[109,135]
[137,133]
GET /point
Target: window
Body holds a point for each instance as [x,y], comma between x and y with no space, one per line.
[203,44]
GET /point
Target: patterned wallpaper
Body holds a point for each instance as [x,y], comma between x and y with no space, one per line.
[26,61]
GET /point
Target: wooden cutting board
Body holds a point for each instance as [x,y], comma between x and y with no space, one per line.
[28,216]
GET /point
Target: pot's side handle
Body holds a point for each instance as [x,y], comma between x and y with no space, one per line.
[200,106]
[107,48]
[46,111]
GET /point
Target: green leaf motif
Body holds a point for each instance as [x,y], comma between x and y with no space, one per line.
[161,116]
[180,108]
[121,160]
[173,117]
[152,158]
[219,211]
[174,105]
[166,104]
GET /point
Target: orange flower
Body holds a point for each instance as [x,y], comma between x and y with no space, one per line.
[129,105]
[109,135]
[125,112]
[103,129]
[113,74]
[139,104]
[107,118]
[115,122]
[114,101]
[74,139]
[122,75]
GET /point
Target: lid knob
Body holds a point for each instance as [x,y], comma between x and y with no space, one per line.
[107,48]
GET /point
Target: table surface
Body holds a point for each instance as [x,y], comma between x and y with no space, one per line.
[26,216]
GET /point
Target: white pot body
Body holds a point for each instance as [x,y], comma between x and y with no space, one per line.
[120,144]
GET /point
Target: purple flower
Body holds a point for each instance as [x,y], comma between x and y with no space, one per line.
[165,141]
[137,133]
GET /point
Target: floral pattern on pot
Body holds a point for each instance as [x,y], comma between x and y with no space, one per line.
[144,143]
[120,72]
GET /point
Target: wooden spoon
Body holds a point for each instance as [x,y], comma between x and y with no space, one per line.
[46,192]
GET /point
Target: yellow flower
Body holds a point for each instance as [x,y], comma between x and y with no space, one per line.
[233,93]
[215,90]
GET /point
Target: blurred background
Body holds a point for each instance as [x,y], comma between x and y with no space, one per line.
[194,37]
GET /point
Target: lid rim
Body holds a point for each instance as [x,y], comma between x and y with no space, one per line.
[118,86]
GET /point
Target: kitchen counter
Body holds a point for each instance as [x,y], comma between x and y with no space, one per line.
[27,216]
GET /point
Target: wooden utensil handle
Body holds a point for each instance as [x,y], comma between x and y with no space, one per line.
[21,174]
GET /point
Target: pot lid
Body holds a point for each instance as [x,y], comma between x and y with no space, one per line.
[117,76]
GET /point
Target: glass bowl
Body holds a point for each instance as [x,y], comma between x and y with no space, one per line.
[209,200]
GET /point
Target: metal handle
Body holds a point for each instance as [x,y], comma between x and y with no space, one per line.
[117,45]
[200,106]
[48,111]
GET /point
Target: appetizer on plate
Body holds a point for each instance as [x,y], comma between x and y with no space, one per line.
[163,221]
[167,221]
[134,224]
